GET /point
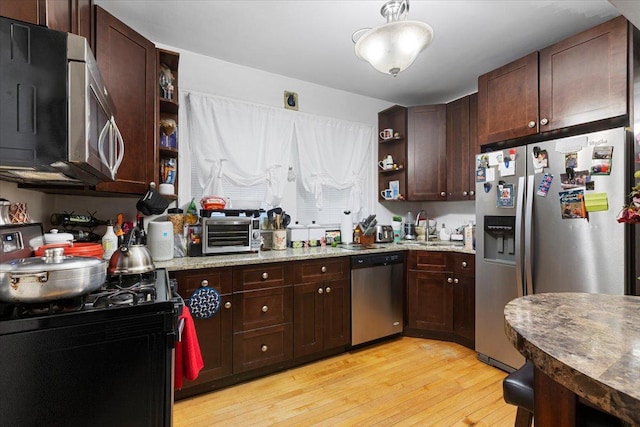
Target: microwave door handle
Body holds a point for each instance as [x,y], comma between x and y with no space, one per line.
[101,143]
[119,150]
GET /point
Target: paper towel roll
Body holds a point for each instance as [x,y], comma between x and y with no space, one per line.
[346,229]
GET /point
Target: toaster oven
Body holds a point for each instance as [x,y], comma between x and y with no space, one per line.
[229,234]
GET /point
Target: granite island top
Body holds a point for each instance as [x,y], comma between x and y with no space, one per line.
[588,343]
[262,257]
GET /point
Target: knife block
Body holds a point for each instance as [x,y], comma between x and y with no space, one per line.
[367,240]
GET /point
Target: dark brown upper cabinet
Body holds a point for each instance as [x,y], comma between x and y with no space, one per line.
[579,80]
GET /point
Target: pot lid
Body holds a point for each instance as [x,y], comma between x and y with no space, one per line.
[51,263]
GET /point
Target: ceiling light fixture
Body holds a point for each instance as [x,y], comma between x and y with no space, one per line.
[392,47]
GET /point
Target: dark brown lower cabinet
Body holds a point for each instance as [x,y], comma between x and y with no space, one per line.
[215,334]
[441,296]
[262,328]
[322,306]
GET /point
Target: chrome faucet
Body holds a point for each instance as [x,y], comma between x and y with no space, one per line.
[422,211]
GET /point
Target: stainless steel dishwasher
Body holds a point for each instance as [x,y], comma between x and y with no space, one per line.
[376,296]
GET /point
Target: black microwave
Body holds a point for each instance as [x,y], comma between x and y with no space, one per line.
[56,116]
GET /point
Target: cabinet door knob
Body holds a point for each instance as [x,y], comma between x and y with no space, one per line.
[264,348]
[464,264]
[449,280]
[320,290]
[472,193]
[227,304]
[265,275]
[532,124]
[204,283]
[328,290]
[265,308]
[465,193]
[323,269]
[544,121]
[456,281]
[443,194]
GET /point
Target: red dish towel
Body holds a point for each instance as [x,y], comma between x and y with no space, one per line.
[188,356]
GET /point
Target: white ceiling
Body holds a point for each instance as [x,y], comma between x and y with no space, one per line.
[310,40]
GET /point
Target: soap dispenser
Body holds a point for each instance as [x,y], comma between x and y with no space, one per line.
[444,233]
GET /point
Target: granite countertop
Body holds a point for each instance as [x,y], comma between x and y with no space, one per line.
[589,343]
[246,258]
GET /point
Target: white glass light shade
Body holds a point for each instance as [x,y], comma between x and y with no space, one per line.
[392,47]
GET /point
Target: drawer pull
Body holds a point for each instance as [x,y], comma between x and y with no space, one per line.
[456,281]
[265,275]
[328,290]
[323,269]
[464,264]
[227,304]
[472,193]
[264,348]
[449,280]
[532,124]
[265,308]
[443,194]
[204,283]
[544,121]
[465,193]
[320,290]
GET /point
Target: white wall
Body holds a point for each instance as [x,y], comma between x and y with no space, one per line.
[204,74]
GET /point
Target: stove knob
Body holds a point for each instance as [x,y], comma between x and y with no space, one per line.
[255,235]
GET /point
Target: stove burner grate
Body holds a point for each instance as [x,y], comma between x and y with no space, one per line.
[47,308]
[125,281]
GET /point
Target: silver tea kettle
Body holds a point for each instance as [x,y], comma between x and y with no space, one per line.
[4,212]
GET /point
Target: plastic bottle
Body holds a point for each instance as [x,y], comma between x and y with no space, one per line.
[109,242]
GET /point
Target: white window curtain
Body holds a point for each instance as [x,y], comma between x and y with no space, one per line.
[244,143]
[235,143]
[333,154]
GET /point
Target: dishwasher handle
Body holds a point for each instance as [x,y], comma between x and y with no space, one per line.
[372,260]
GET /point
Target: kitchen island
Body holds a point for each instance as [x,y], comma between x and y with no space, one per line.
[582,346]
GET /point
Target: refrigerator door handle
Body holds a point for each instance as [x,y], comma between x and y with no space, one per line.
[528,236]
[518,237]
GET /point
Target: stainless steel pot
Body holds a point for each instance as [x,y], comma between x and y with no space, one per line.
[131,259]
[49,278]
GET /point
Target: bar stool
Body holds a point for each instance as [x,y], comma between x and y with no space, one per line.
[517,389]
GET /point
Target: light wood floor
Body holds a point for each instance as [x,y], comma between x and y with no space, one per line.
[403,382]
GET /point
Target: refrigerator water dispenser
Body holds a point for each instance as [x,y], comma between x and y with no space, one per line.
[499,239]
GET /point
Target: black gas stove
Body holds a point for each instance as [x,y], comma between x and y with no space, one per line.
[101,359]
[119,296]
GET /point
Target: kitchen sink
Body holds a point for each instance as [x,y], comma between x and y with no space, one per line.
[431,243]
[358,247]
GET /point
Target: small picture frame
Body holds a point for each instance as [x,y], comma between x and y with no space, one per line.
[290,100]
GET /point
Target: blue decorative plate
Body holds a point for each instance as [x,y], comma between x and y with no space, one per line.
[204,303]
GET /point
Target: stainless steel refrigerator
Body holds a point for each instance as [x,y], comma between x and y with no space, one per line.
[546,222]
